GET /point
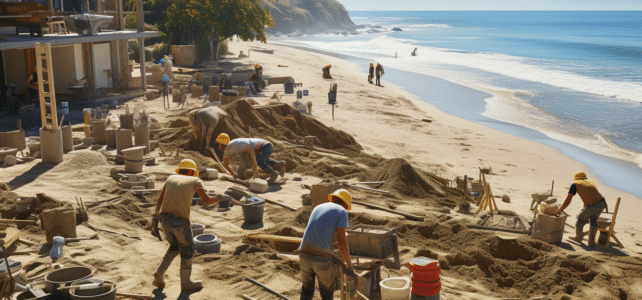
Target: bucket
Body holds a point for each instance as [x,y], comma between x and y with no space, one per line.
[396,288]
[253,211]
[23,204]
[64,277]
[289,87]
[306,93]
[425,276]
[197,229]
[207,243]
[299,94]
[102,293]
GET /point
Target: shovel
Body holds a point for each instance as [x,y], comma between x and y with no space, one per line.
[70,240]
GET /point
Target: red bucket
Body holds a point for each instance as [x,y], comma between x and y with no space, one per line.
[425,276]
[421,288]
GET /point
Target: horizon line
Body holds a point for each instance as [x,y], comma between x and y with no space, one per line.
[632,10]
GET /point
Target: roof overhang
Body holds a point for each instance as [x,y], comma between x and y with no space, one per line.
[25,42]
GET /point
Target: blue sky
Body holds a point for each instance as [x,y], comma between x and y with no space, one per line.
[492,4]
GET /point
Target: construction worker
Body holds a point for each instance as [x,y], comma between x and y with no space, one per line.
[326,72]
[258,70]
[32,84]
[379,73]
[204,121]
[256,81]
[165,81]
[594,204]
[251,152]
[371,73]
[173,210]
[315,252]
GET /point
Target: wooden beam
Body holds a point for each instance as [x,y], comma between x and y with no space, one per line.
[608,241]
[407,215]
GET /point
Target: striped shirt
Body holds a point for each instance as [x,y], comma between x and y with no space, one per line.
[243,147]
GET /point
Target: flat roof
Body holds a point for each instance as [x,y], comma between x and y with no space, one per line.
[27,41]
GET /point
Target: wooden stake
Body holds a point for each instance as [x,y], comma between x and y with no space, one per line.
[608,241]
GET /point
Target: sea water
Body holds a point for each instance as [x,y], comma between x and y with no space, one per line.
[569,79]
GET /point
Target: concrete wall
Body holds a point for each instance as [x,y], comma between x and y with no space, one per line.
[15,68]
[102,62]
[64,68]
[80,63]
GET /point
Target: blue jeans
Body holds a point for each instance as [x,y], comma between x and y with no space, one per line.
[178,233]
[263,159]
[590,214]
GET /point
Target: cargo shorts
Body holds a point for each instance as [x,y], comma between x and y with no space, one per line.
[325,270]
[178,233]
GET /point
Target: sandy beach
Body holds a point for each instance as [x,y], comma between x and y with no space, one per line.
[387,122]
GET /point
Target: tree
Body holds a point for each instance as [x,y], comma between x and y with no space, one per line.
[207,22]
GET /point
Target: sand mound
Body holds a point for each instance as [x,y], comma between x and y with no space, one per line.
[40,203]
[131,209]
[402,177]
[278,121]
[79,160]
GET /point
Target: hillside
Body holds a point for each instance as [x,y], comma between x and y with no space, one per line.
[308,16]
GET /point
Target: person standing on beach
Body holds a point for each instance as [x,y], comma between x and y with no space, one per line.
[326,72]
[173,210]
[315,252]
[253,153]
[379,73]
[594,204]
[371,73]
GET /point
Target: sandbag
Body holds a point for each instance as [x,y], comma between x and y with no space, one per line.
[58,222]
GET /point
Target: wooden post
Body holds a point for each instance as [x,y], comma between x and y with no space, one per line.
[608,241]
[465,186]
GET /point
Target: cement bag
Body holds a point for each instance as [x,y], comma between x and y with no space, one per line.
[58,222]
[548,209]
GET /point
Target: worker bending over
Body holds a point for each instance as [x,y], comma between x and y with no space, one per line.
[204,121]
[251,152]
[371,73]
[326,72]
[315,252]
[173,210]
[379,73]
[594,204]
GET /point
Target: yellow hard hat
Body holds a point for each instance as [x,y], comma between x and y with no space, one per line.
[223,139]
[343,195]
[579,175]
[257,66]
[371,64]
[188,164]
[329,66]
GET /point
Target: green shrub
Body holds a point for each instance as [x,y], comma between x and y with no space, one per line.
[222,48]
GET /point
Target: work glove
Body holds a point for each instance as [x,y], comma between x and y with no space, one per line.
[155,231]
[350,272]
[224,197]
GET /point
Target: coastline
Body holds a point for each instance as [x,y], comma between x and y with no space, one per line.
[457,146]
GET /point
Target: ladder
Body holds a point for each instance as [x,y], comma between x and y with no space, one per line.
[46,90]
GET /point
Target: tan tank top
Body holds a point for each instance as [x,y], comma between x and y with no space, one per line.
[587,191]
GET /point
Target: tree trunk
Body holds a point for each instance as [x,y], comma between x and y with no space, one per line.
[214,41]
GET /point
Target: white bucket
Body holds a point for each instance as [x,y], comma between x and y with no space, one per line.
[396,288]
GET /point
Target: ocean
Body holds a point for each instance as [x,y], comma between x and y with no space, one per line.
[569,79]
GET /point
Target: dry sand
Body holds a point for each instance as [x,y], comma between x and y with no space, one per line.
[397,146]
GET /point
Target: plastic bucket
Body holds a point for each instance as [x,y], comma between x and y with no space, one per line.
[253,212]
[22,204]
[197,229]
[421,288]
[207,243]
[289,87]
[396,288]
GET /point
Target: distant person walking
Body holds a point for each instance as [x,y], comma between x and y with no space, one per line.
[395,54]
[371,73]
[414,52]
[379,73]
[326,72]
[594,204]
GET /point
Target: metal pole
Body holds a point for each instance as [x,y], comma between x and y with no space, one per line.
[332,112]
[552,185]
[266,288]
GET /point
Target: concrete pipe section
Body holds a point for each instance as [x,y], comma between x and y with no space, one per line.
[51,145]
[67,139]
[98,130]
[207,243]
[198,229]
[141,138]
[110,138]
[123,140]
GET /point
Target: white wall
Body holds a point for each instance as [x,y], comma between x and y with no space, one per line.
[64,68]
[15,68]
[80,63]
[102,61]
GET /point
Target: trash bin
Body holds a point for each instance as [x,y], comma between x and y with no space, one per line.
[332,97]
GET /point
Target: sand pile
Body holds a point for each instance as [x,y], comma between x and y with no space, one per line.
[80,160]
[40,203]
[402,177]
[134,210]
[277,121]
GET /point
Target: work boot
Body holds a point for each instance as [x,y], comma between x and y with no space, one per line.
[592,233]
[579,234]
[273,176]
[280,165]
[186,272]
[159,281]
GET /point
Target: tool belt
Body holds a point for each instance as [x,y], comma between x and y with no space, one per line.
[314,253]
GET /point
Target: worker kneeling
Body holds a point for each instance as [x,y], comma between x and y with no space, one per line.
[326,72]
[173,210]
[252,152]
[315,252]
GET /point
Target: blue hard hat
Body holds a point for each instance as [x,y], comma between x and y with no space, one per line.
[162,61]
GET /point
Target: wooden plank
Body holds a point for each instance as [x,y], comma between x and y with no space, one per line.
[134,296]
[608,241]
[407,215]
[21,222]
[8,243]
[279,204]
